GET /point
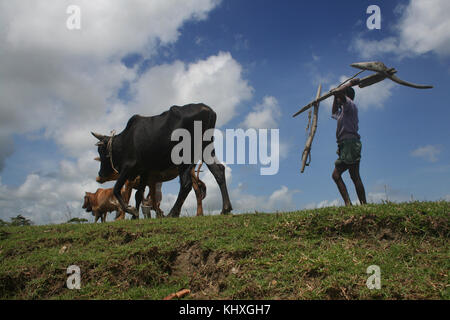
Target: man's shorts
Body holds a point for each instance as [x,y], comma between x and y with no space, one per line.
[349,152]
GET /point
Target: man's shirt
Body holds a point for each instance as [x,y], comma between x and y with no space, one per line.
[347,121]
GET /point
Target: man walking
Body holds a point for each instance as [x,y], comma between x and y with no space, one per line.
[349,144]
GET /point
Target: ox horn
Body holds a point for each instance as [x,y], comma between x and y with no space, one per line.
[98,136]
[97,159]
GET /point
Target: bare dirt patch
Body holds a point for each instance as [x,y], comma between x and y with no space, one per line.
[206,270]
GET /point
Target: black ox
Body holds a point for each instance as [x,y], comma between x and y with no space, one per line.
[144,149]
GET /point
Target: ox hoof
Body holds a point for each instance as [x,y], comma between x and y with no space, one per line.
[133,211]
[226,211]
[173,215]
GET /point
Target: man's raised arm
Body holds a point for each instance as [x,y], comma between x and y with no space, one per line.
[339,95]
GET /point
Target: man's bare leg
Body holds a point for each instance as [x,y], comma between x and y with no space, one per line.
[337,177]
[356,178]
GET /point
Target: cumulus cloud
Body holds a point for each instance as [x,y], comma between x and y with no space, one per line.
[381,191]
[264,115]
[64,81]
[51,199]
[428,152]
[324,204]
[267,115]
[122,26]
[424,26]
[216,81]
[280,199]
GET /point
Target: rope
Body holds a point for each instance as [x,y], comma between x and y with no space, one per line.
[309,122]
[109,147]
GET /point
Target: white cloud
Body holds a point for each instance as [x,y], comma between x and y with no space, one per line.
[265,115]
[368,49]
[324,204]
[428,152]
[382,191]
[108,28]
[216,81]
[64,81]
[45,199]
[423,27]
[280,199]
[377,197]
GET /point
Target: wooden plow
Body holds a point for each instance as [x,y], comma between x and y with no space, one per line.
[381,72]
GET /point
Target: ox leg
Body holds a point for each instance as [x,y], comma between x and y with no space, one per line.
[97,216]
[118,194]
[155,200]
[198,192]
[151,197]
[218,171]
[148,202]
[120,215]
[185,188]
[140,192]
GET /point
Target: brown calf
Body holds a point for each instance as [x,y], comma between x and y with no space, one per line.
[103,201]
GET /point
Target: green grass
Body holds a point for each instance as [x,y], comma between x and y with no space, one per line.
[312,254]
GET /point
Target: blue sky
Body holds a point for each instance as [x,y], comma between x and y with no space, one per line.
[278,49]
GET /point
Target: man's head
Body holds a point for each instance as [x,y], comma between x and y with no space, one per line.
[350,92]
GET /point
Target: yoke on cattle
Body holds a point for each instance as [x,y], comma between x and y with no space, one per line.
[381,72]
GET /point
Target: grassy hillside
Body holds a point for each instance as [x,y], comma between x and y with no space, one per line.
[313,254]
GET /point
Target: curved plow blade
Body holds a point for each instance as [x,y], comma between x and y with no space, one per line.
[372,66]
[408,84]
[381,68]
